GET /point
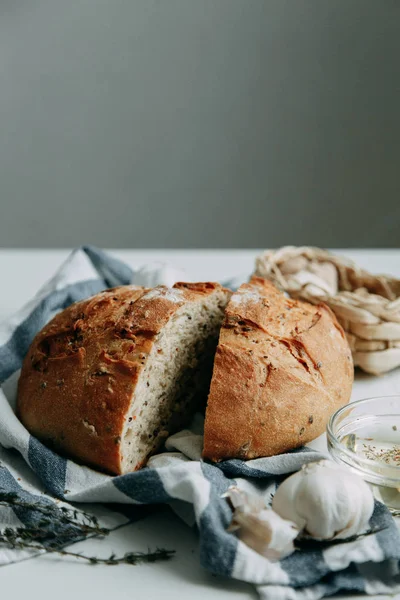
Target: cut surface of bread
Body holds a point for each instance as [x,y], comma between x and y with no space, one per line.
[109,378]
[175,380]
[281,368]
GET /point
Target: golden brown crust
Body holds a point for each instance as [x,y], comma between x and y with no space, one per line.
[81,370]
[282,367]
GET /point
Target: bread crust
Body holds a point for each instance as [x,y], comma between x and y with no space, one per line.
[80,373]
[282,367]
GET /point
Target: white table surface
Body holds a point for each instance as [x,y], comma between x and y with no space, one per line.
[22,272]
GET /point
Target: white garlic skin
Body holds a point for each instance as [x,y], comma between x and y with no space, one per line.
[326,501]
[266,533]
[259,527]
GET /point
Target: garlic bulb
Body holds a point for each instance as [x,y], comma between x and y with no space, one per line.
[259,527]
[326,501]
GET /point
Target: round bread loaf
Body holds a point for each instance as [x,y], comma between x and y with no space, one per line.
[282,367]
[109,378]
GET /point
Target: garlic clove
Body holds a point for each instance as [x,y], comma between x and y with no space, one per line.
[259,527]
[285,504]
[243,501]
[325,501]
[267,533]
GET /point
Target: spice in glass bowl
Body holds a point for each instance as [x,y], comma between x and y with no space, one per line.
[365,436]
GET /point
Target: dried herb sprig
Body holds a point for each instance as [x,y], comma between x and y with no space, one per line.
[84,523]
[79,525]
[308,543]
[21,538]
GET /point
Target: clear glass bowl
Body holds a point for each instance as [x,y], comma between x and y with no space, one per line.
[365,436]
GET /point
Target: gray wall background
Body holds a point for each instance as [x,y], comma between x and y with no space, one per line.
[199,123]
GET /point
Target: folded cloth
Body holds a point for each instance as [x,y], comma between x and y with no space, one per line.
[178,476]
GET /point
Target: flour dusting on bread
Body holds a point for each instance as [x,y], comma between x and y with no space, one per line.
[170,294]
[248,294]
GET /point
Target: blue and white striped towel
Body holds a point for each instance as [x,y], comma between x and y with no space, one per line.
[177,476]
